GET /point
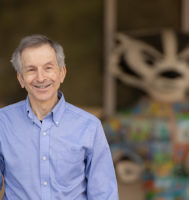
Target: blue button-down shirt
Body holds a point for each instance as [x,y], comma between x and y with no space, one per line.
[66,157]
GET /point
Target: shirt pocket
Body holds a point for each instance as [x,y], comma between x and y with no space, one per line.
[69,166]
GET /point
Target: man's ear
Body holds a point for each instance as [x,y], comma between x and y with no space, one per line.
[63,74]
[20,79]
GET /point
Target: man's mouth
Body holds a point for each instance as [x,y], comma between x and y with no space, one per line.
[42,86]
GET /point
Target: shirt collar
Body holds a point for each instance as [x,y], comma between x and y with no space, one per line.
[56,112]
[59,109]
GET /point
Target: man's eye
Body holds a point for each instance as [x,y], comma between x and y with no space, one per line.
[48,67]
[31,70]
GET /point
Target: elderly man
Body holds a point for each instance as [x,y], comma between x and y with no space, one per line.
[50,149]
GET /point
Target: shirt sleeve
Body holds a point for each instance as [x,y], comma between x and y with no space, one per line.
[100,172]
[2,166]
[1,171]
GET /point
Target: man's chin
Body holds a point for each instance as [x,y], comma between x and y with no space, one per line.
[42,98]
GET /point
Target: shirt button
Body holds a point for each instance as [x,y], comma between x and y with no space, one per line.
[44,158]
[57,123]
[44,133]
[45,183]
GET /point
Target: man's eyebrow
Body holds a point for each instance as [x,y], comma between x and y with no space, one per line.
[30,66]
[48,63]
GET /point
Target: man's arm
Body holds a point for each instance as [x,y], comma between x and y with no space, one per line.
[2,165]
[1,171]
[100,172]
[2,191]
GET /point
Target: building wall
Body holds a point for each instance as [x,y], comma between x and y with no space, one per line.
[78,26]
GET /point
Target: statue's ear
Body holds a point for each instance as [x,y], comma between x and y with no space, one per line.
[122,39]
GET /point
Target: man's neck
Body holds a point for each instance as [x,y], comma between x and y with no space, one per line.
[41,109]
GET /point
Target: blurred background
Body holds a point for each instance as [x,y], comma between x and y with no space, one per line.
[79,27]
[86,30]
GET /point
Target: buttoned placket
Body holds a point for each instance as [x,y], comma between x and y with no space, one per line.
[44,158]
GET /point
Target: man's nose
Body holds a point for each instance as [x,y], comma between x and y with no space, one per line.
[40,75]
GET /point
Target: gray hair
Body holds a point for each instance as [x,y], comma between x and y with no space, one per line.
[34,41]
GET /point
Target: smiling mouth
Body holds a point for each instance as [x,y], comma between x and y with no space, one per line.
[42,86]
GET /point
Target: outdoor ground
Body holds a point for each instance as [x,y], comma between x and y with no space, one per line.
[130,191]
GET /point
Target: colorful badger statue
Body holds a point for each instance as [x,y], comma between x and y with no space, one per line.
[151,140]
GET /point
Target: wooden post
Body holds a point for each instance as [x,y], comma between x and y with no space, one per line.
[185,16]
[109,34]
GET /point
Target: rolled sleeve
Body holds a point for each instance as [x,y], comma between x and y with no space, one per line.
[100,172]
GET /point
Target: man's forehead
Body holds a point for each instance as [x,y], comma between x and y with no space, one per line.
[38,55]
[38,49]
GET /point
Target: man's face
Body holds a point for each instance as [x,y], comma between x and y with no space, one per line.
[41,75]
